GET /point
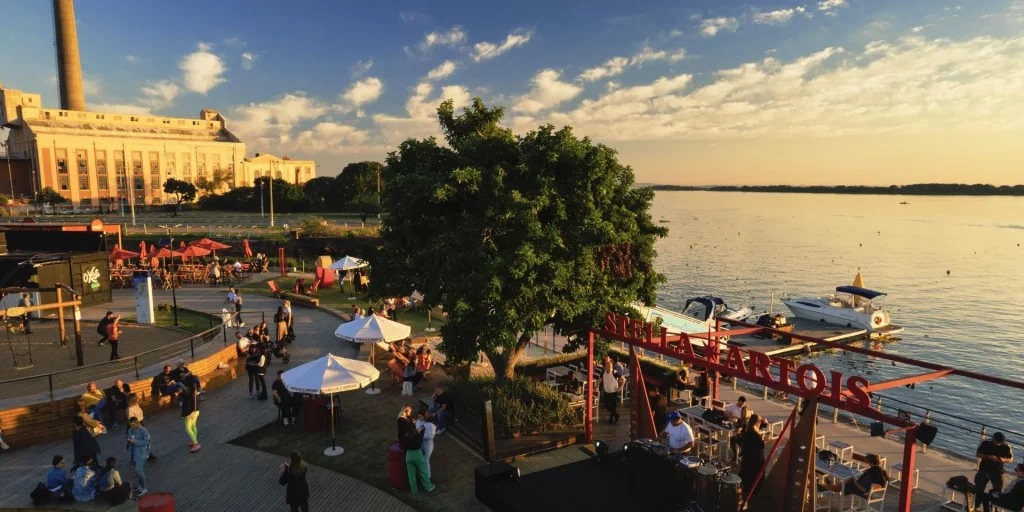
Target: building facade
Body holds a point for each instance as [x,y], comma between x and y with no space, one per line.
[102,159]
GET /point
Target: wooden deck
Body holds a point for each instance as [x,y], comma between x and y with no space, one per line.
[221,477]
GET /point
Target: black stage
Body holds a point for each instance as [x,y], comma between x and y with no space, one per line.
[586,485]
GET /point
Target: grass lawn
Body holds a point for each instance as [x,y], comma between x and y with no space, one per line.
[368,428]
[338,301]
[190,321]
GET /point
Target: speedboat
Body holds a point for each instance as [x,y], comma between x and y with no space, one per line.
[851,306]
[698,316]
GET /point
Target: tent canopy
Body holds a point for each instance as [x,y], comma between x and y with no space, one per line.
[373,329]
[330,374]
[348,263]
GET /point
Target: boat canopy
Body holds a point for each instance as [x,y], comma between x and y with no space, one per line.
[711,305]
[861,292]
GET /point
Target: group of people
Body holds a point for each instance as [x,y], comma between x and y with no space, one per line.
[416,439]
[258,349]
[415,363]
[110,331]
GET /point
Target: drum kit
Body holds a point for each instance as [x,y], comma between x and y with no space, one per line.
[691,479]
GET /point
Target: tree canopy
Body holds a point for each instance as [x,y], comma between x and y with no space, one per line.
[510,234]
[49,195]
[183,191]
[357,187]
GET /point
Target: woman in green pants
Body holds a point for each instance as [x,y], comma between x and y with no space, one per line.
[190,412]
[411,440]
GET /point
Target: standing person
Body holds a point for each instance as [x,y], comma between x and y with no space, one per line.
[113,335]
[85,446]
[138,446]
[993,454]
[610,391]
[752,448]
[294,476]
[235,299]
[678,433]
[190,413]
[411,440]
[26,319]
[659,408]
[283,399]
[109,484]
[214,272]
[253,362]
[429,430]
[287,308]
[101,327]
[281,324]
[261,372]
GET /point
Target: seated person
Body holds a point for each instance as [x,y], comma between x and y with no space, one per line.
[299,287]
[443,409]
[164,385]
[703,388]
[424,360]
[93,426]
[117,398]
[57,481]
[409,373]
[94,400]
[683,378]
[236,269]
[109,484]
[734,412]
[1012,497]
[84,487]
[678,433]
[862,485]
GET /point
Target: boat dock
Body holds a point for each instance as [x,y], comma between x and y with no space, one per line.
[783,347]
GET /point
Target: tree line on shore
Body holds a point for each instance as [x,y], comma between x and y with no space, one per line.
[917,189]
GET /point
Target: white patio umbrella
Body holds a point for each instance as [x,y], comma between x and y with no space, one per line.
[373,329]
[346,264]
[329,375]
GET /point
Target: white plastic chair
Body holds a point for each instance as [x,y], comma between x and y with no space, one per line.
[875,497]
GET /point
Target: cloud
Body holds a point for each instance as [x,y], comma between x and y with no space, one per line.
[548,91]
[360,68]
[413,17]
[131,59]
[362,93]
[678,55]
[330,137]
[778,17]
[917,30]
[712,26]
[908,85]
[261,123]
[451,38]
[160,94]
[443,71]
[202,70]
[234,42]
[486,51]
[247,60]
[617,65]
[422,113]
[829,6]
[118,108]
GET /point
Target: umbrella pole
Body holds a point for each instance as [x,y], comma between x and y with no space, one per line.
[373,360]
[334,450]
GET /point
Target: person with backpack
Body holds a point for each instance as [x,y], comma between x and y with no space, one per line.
[109,484]
[101,328]
[58,485]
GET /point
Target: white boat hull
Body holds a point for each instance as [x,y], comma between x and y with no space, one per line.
[819,310]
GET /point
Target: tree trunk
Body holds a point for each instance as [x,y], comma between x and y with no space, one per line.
[504,364]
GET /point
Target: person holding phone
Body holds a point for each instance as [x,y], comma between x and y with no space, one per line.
[294,477]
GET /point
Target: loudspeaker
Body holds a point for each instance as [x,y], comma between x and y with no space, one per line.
[877,429]
[926,433]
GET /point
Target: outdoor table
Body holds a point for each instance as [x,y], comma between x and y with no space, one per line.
[837,470]
[844,450]
[312,414]
[558,371]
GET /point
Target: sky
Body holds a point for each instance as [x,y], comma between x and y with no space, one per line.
[690,92]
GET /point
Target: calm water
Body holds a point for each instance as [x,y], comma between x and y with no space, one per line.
[742,247]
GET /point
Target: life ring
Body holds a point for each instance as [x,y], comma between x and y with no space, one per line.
[878,320]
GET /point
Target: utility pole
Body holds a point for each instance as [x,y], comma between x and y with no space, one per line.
[7,151]
[277,165]
[129,183]
[378,195]
[261,199]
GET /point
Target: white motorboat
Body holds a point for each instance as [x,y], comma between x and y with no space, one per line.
[697,317]
[850,306]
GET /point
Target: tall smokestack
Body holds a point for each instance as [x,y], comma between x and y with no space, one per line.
[69,66]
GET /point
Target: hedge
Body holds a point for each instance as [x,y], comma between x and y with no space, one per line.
[521,407]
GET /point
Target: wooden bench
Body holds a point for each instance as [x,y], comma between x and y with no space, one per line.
[300,299]
[49,421]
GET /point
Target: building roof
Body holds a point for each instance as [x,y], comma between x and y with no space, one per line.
[94,128]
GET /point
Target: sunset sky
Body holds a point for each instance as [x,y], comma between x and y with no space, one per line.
[690,92]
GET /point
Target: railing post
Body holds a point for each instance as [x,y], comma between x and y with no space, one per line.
[835,415]
[263,316]
[224,330]
[765,397]
[137,376]
[879,404]
[211,320]
[49,378]
[192,347]
[927,417]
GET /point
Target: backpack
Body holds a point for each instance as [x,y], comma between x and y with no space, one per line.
[714,416]
[40,495]
[960,483]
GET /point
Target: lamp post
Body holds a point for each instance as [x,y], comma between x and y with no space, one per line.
[174,272]
[261,199]
[378,195]
[276,165]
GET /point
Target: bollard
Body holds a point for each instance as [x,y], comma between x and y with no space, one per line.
[879,406]
[137,367]
[50,379]
[835,415]
[225,331]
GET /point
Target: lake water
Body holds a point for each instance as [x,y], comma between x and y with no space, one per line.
[744,246]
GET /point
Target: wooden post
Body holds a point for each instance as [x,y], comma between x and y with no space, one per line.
[488,431]
[79,351]
[588,416]
[907,478]
[60,322]
[281,261]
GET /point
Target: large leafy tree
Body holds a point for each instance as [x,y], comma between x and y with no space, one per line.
[49,195]
[321,193]
[183,191]
[357,186]
[511,234]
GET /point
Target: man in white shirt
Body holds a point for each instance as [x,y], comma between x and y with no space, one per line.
[243,343]
[610,395]
[734,412]
[679,434]
[237,267]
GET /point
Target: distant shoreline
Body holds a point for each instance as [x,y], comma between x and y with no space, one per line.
[919,189]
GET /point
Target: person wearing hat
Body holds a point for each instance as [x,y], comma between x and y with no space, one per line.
[678,433]
[1012,498]
[57,481]
[994,453]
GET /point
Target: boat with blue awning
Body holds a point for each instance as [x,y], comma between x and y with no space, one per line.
[850,306]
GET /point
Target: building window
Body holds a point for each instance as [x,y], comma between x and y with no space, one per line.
[201,166]
[101,169]
[137,170]
[186,167]
[82,159]
[62,161]
[215,162]
[64,182]
[119,168]
[307,171]
[170,164]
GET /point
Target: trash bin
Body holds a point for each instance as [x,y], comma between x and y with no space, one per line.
[397,470]
[157,502]
[313,415]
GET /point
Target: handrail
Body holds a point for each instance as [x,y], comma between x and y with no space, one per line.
[926,409]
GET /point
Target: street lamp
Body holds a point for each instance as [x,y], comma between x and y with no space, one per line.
[277,165]
[174,272]
[261,199]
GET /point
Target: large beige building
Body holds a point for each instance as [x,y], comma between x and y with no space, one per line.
[99,158]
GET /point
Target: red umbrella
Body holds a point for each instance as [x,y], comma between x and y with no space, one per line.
[120,254]
[192,250]
[142,247]
[176,253]
[162,252]
[245,247]
[211,245]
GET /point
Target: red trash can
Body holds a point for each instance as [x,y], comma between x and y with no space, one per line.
[157,502]
[313,415]
[397,470]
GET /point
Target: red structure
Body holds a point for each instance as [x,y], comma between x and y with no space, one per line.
[847,393]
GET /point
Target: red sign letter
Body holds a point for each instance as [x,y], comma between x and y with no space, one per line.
[735,361]
[819,379]
[858,396]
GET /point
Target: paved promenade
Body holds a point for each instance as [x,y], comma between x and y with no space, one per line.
[220,477]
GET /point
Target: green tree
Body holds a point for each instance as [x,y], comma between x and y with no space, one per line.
[183,191]
[51,196]
[321,194]
[357,185]
[4,200]
[511,234]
